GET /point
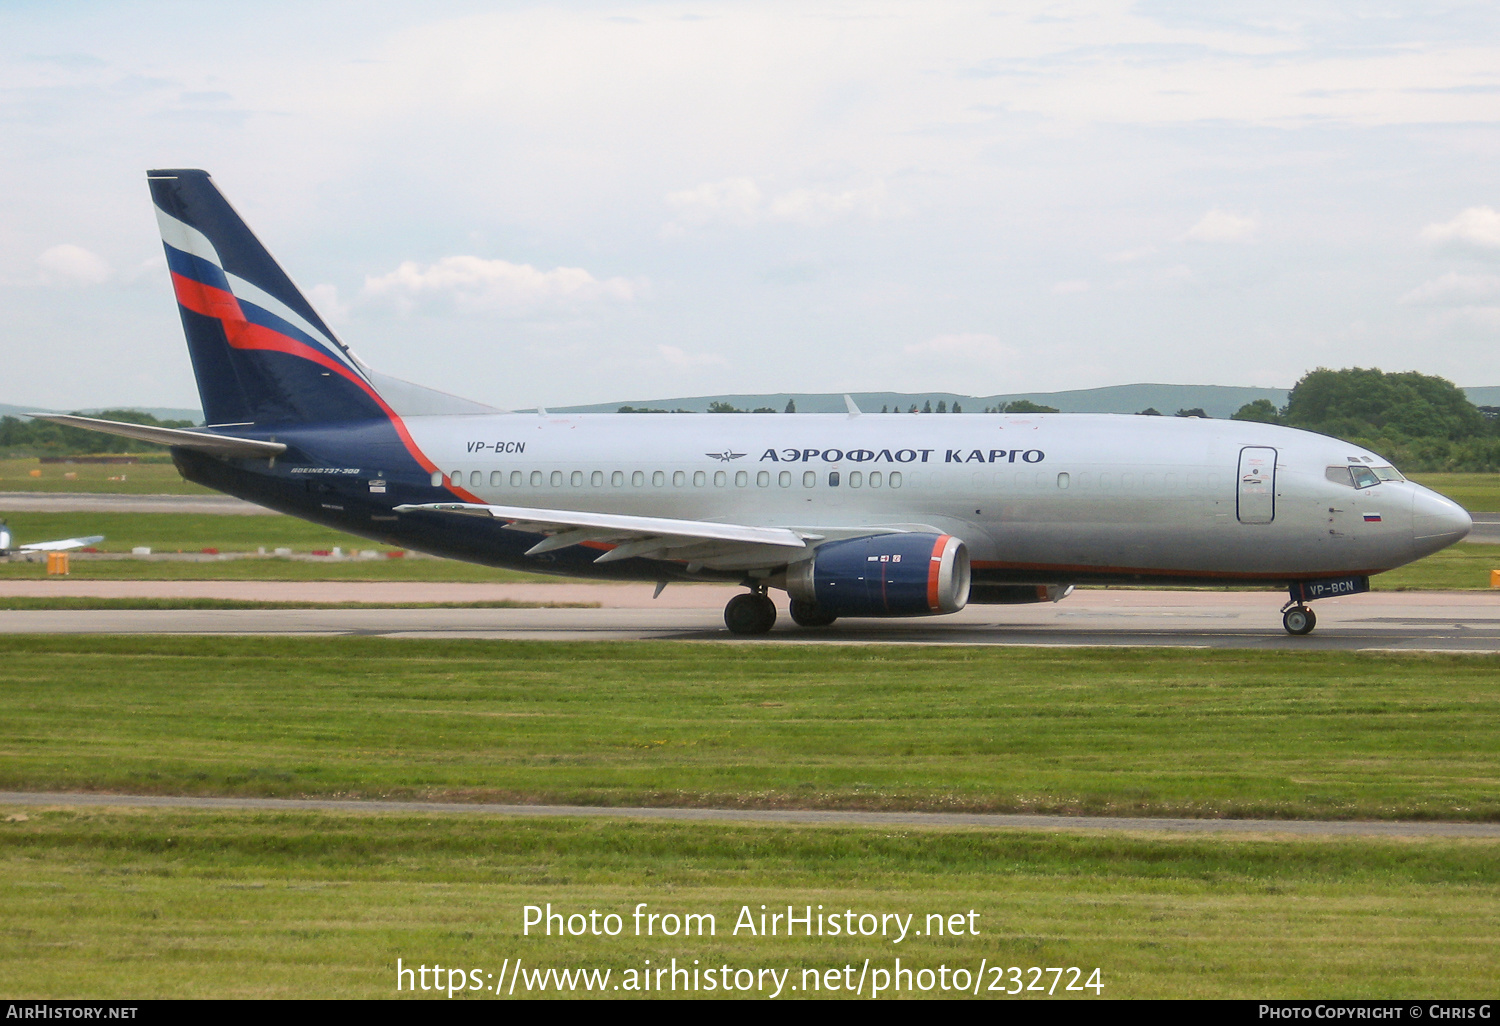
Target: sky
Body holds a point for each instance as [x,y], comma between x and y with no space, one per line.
[566,203]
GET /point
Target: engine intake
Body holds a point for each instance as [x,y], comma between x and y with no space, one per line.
[885,575]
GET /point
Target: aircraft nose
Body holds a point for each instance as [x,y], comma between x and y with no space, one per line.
[1436,520]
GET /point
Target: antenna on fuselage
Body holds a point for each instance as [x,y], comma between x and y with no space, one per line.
[854,410]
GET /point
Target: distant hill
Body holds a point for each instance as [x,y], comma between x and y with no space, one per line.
[1215,400]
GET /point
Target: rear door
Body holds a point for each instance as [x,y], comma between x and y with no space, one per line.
[1256,491]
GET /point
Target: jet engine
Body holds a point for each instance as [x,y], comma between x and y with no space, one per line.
[884,575]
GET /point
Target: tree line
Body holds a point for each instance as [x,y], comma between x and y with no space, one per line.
[20,438]
[1418,421]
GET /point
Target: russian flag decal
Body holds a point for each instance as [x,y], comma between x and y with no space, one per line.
[1372,518]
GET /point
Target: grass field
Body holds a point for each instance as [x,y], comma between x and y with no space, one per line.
[156,903]
[1471,491]
[1132,732]
[155,478]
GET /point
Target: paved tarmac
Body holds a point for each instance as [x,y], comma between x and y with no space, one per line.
[818,817]
[1383,621]
[97,502]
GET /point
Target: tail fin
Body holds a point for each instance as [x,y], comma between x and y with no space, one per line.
[260,352]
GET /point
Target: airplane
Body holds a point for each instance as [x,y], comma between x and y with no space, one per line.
[853,515]
[9,548]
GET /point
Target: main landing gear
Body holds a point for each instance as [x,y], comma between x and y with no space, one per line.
[1298,620]
[750,613]
[810,614]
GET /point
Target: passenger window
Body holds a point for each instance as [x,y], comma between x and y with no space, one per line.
[496,479]
[515,479]
[557,479]
[1063,481]
[617,479]
[763,479]
[658,478]
[895,479]
[1340,476]
[856,479]
[720,479]
[597,479]
[536,479]
[437,479]
[638,479]
[476,478]
[679,479]
[809,479]
[741,479]
[699,479]
[833,479]
[784,479]
[576,479]
[456,479]
[874,479]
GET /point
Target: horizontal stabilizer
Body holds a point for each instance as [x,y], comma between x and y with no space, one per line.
[198,441]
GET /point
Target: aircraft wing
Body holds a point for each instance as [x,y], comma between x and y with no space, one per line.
[721,546]
[61,546]
[202,441]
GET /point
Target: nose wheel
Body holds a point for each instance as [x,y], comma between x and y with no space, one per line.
[750,613]
[1299,620]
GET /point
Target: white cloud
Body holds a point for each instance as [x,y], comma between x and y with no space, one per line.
[1453,289]
[1067,288]
[325,300]
[740,203]
[1129,256]
[1475,228]
[477,284]
[73,264]
[972,346]
[682,360]
[1223,226]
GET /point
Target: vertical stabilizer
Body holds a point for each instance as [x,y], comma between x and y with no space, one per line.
[260,351]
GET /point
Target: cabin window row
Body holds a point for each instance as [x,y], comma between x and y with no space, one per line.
[658,479]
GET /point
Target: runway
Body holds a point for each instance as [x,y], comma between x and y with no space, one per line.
[1383,621]
[816,817]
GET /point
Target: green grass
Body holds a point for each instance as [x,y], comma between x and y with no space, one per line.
[1471,491]
[169,903]
[89,602]
[1132,732]
[1462,567]
[185,532]
[155,478]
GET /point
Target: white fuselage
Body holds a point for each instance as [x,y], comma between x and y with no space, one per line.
[1051,495]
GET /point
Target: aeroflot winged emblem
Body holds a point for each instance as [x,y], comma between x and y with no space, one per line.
[725,456]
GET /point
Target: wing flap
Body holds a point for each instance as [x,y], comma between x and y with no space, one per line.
[633,535]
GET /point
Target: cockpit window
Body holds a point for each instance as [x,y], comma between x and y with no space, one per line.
[1361,476]
[1339,475]
[1388,473]
[1364,477]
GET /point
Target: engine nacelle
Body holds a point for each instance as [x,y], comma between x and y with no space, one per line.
[885,575]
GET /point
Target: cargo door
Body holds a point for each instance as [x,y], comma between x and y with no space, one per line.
[1256,496]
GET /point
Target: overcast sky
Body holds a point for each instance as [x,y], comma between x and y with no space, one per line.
[565,203]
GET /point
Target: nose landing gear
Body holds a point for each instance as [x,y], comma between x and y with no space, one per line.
[1298,620]
[750,613]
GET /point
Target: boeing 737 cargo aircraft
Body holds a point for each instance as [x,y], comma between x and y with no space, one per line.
[853,515]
